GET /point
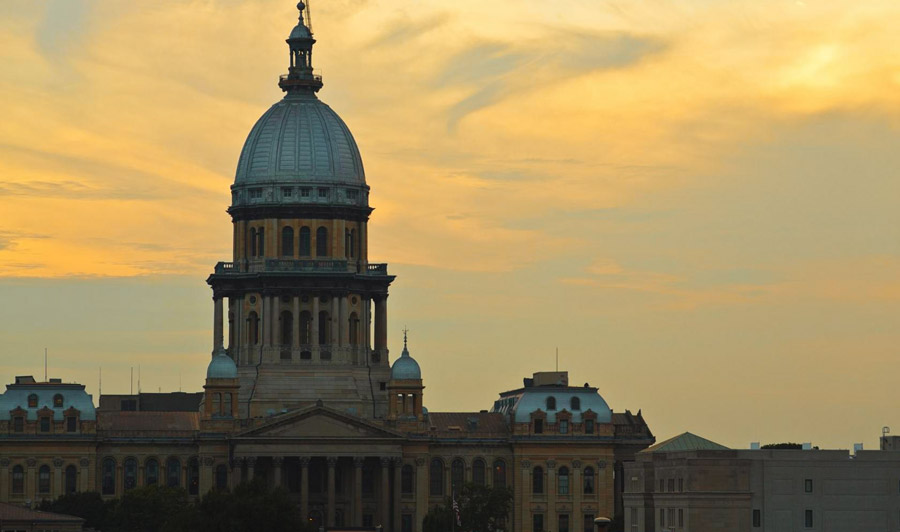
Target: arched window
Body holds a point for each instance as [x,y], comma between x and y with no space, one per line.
[221,477]
[71,480]
[287,328]
[324,328]
[537,480]
[58,401]
[349,243]
[499,473]
[287,242]
[108,477]
[551,403]
[321,242]
[228,405]
[18,480]
[478,472]
[151,472]
[253,327]
[457,476]
[217,404]
[406,480]
[304,242]
[44,479]
[588,480]
[575,403]
[261,241]
[305,324]
[563,481]
[354,329]
[193,477]
[130,473]
[436,478]
[252,241]
[173,473]
[32,400]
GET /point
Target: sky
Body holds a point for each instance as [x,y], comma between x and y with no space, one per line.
[696,202]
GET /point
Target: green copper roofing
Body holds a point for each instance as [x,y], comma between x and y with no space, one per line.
[685,442]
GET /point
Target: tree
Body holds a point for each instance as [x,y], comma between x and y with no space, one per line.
[252,507]
[481,509]
[150,509]
[88,505]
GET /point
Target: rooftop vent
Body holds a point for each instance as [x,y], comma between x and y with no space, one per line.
[807,446]
[24,379]
[55,381]
[754,446]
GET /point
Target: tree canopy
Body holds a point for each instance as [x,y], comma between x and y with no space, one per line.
[481,509]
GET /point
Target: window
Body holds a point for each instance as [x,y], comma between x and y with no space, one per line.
[588,523]
[44,479]
[324,328]
[808,519]
[368,520]
[321,242]
[352,193]
[537,522]
[588,426]
[253,327]
[304,242]
[551,403]
[323,192]
[537,480]
[662,517]
[221,477]
[71,480]
[252,240]
[255,193]
[45,423]
[563,426]
[287,331]
[538,426]
[286,192]
[353,322]
[128,405]
[406,480]
[349,238]
[563,481]
[151,472]
[634,519]
[287,242]
[19,424]
[671,517]
[588,480]
[173,473]
[304,192]
[680,485]
[478,468]
[193,476]
[575,403]
[108,477]
[406,523]
[71,424]
[130,473]
[457,476]
[499,473]
[261,244]
[671,484]
[57,401]
[662,485]
[436,478]
[563,523]
[32,401]
[680,518]
[18,480]
[757,519]
[807,485]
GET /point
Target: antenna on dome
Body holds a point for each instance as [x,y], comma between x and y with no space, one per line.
[309,17]
[405,332]
[45,365]
[557,359]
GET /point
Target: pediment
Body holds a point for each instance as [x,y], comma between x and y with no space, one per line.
[319,423]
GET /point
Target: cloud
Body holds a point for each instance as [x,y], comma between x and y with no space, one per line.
[63,28]
[402,31]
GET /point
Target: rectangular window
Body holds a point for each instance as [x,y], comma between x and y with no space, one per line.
[808,521]
[662,485]
[45,424]
[255,193]
[406,523]
[323,192]
[352,193]
[672,517]
[634,520]
[588,522]
[680,518]
[563,523]
[537,522]
[304,192]
[807,485]
[662,518]
[680,484]
[671,484]
[635,485]
[757,519]
[286,192]
[19,424]
[589,426]
[563,426]
[71,424]
[538,426]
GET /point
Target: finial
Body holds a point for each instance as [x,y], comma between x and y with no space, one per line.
[405,331]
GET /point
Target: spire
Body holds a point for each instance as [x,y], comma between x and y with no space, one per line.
[300,77]
[405,352]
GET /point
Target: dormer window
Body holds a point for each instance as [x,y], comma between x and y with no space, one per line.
[19,424]
[538,426]
[563,426]
[45,423]
[71,424]
[32,400]
[58,401]
[588,426]
[575,403]
[551,403]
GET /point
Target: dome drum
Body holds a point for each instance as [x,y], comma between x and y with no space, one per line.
[289,192]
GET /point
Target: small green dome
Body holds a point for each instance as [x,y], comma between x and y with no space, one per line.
[221,367]
[406,367]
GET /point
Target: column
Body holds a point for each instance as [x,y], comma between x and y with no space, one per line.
[398,465]
[206,481]
[304,488]
[421,493]
[277,463]
[296,325]
[384,510]
[357,491]
[575,492]
[31,479]
[550,520]
[83,473]
[57,477]
[218,327]
[251,468]
[363,245]
[335,321]
[236,471]
[314,333]
[265,318]
[274,305]
[329,519]
[344,325]
[381,324]
[4,479]
[367,323]
[524,495]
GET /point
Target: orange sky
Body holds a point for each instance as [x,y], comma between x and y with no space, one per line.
[696,201]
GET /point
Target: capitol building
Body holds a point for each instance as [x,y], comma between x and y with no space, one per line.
[302,391]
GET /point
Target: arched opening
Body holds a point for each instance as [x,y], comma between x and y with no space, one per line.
[173,473]
[321,242]
[499,473]
[44,479]
[151,472]
[575,403]
[457,476]
[478,468]
[354,329]
[287,242]
[130,467]
[221,477]
[350,243]
[108,477]
[304,242]
[193,476]
[253,327]
[436,478]
[305,324]
[588,480]
[32,400]
[252,240]
[562,481]
[324,328]
[537,480]
[58,401]
[261,241]
[287,328]
[406,480]
[217,404]
[228,405]
[71,480]
[18,480]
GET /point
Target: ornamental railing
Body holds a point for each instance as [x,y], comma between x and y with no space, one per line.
[290,265]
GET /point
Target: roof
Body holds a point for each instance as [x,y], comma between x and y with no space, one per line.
[406,367]
[156,424]
[685,442]
[525,401]
[14,512]
[468,424]
[221,367]
[153,402]
[74,396]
